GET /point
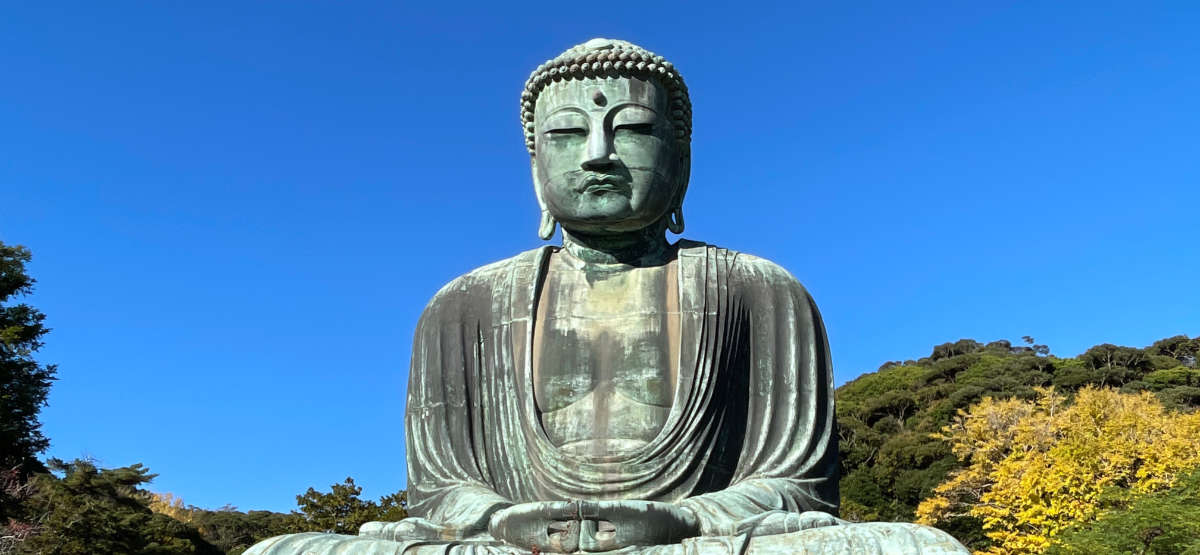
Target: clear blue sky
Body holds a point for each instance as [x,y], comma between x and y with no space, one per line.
[237,210]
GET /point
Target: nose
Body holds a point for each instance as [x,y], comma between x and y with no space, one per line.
[599,149]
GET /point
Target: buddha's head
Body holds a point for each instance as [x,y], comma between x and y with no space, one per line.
[608,126]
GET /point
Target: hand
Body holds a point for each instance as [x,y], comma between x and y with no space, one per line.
[609,525]
[549,526]
[592,526]
[782,522]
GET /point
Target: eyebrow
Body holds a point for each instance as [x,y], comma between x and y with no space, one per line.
[634,104]
[568,108]
[613,109]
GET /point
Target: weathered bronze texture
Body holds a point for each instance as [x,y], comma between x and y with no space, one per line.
[619,392]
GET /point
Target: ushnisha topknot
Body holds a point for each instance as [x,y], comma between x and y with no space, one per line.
[608,58]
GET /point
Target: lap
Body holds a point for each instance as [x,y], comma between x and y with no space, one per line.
[856,538]
[859,538]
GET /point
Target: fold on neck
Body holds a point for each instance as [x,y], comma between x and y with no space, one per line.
[644,247]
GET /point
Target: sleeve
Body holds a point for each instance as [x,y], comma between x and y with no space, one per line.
[446,483]
[788,460]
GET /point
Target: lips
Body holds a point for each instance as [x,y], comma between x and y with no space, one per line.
[603,187]
[604,184]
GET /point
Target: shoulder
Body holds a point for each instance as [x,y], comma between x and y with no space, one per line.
[750,272]
[772,294]
[761,279]
[479,284]
[760,270]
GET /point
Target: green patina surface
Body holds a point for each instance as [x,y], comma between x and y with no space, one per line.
[619,392]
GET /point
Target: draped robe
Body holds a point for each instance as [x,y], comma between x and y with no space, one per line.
[751,428]
[750,433]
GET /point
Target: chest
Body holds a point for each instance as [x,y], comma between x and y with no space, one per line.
[607,334]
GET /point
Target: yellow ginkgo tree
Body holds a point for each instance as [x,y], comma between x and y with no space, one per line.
[1036,467]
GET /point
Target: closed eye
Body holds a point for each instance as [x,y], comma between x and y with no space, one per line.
[639,128]
[567,131]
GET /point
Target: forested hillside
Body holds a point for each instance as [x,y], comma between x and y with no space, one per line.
[889,420]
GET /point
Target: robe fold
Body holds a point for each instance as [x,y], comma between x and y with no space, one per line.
[750,430]
[749,444]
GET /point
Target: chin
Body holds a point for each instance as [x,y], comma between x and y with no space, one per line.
[610,214]
[596,227]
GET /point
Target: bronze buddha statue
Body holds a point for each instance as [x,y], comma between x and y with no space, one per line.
[619,392]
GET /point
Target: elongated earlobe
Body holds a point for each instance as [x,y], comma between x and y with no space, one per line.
[675,220]
[546,229]
[683,170]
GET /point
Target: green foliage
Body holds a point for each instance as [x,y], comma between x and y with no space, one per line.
[890,462]
[1178,347]
[91,510]
[1166,522]
[24,383]
[233,532]
[1178,375]
[341,511]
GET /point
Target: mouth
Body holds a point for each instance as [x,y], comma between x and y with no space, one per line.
[601,188]
[599,185]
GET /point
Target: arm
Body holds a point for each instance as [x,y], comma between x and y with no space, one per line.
[727,512]
[448,485]
[788,460]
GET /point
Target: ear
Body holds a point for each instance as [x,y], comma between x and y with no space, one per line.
[683,173]
[537,182]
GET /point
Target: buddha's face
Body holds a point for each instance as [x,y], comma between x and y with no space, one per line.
[606,160]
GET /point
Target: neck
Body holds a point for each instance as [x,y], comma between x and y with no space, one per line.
[644,247]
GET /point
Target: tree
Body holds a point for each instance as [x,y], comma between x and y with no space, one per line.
[226,528]
[93,510]
[1178,347]
[960,347]
[889,461]
[24,383]
[1036,467]
[1039,349]
[341,511]
[1166,523]
[1116,365]
[889,458]
[233,531]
